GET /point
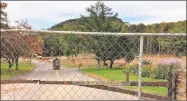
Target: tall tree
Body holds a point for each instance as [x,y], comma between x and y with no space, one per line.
[105,47]
[140,28]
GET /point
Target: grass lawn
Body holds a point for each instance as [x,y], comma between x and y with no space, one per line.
[151,90]
[23,68]
[119,75]
[114,74]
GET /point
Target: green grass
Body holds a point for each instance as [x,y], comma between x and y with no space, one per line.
[119,75]
[23,68]
[115,74]
[151,90]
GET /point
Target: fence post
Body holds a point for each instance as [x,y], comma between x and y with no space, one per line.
[170,88]
[175,74]
[140,67]
[181,85]
[127,76]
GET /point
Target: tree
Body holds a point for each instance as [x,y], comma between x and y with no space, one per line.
[105,47]
[16,44]
[12,47]
[100,17]
[117,47]
[132,28]
[33,41]
[22,24]
[124,28]
[98,21]
[67,45]
[140,28]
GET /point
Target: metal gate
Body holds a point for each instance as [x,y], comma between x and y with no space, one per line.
[93,65]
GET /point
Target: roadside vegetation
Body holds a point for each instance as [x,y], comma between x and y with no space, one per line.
[23,68]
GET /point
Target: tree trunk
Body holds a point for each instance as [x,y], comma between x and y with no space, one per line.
[30,59]
[111,63]
[104,62]
[17,63]
[10,64]
[98,62]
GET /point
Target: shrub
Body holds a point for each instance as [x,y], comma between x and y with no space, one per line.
[166,66]
[161,72]
[147,62]
[146,71]
[134,69]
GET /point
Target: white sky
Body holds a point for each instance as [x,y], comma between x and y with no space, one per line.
[44,14]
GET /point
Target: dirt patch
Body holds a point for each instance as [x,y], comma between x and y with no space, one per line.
[89,60]
[160,57]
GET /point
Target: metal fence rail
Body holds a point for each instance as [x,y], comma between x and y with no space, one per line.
[92,33]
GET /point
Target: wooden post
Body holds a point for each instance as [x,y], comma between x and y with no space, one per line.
[181,85]
[127,76]
[174,85]
[80,65]
[170,90]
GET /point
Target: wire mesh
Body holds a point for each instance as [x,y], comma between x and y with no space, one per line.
[93,65]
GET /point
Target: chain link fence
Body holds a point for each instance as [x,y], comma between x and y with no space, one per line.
[93,65]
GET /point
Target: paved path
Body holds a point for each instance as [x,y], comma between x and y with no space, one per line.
[58,92]
[44,71]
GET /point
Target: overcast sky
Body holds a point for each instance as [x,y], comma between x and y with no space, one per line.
[44,14]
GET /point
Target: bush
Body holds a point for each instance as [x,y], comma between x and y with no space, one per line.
[178,54]
[146,71]
[147,62]
[161,72]
[134,69]
[166,66]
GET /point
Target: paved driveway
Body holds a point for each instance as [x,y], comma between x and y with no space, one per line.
[44,71]
[58,92]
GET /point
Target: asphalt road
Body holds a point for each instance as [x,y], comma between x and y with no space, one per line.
[44,71]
